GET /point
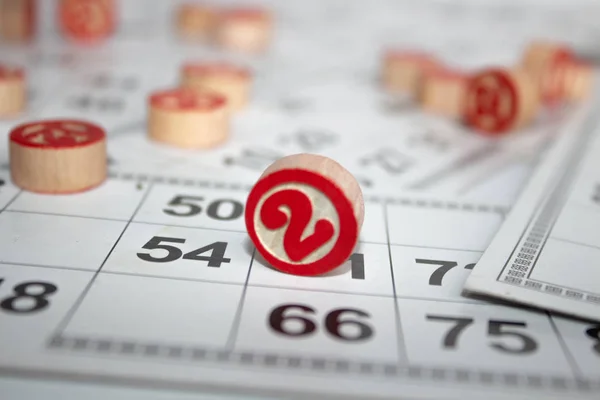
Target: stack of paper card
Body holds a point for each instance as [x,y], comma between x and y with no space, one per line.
[547,252]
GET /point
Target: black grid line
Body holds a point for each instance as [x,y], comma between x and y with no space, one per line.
[64,322]
[402,353]
[319,290]
[168,224]
[16,211]
[238,314]
[172,278]
[574,242]
[458,300]
[59,267]
[570,359]
[435,248]
[189,227]
[12,200]
[467,160]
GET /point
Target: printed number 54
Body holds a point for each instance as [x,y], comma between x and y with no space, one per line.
[173,253]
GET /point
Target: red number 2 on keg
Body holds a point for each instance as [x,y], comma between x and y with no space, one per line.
[301,211]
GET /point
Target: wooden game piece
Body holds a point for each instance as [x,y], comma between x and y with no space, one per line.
[195,21]
[578,80]
[547,62]
[87,20]
[539,53]
[231,81]
[551,82]
[244,30]
[13,91]
[442,91]
[498,100]
[402,70]
[58,156]
[18,20]
[304,214]
[186,118]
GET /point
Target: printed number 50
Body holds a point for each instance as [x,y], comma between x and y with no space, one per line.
[188,206]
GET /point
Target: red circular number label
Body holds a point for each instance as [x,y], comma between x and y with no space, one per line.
[491,102]
[552,85]
[57,134]
[7,72]
[187,100]
[87,19]
[301,222]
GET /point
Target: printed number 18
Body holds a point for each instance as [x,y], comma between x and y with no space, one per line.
[26,290]
[594,334]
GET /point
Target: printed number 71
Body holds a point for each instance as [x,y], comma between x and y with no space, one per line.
[444,266]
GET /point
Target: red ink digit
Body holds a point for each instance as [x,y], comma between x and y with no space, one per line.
[271,213]
[553,79]
[57,134]
[300,208]
[492,105]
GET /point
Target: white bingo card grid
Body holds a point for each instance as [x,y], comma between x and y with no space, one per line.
[169,288]
[151,281]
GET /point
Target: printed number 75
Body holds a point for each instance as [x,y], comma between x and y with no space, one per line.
[444,266]
[496,328]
